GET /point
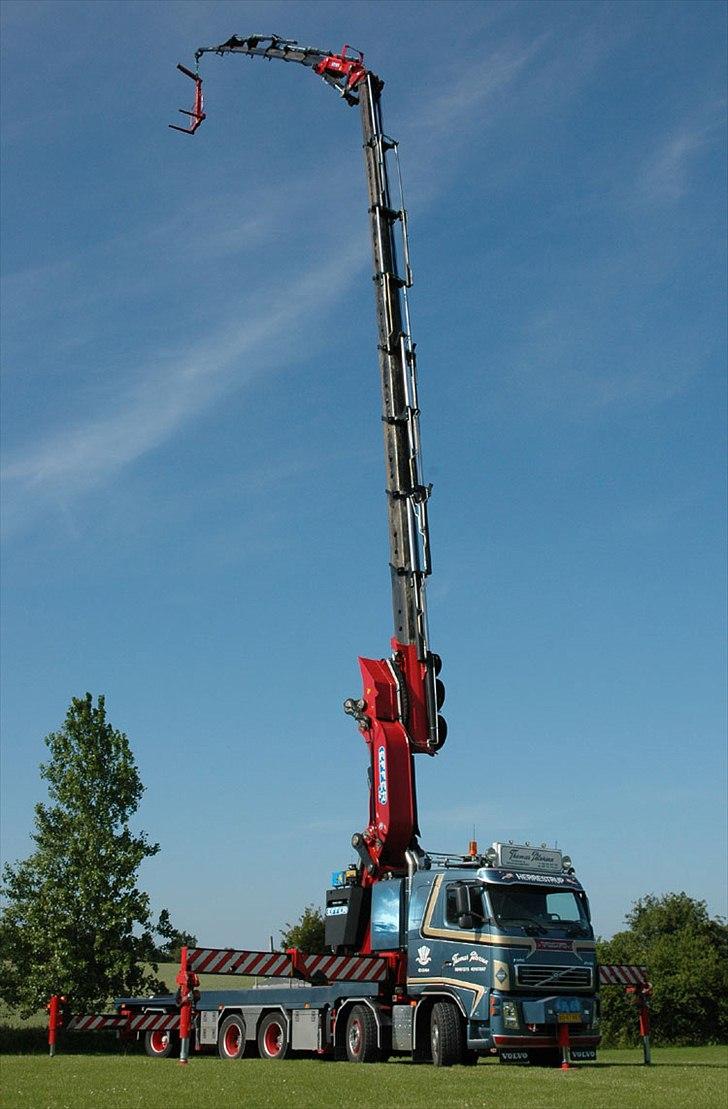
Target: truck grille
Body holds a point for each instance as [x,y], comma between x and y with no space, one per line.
[554,978]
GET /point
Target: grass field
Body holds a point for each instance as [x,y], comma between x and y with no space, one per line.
[91,1072]
[695,1077]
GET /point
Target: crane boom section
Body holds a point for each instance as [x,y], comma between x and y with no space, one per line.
[342,71]
[407,495]
[398,711]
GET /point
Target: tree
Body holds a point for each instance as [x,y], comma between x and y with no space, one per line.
[174,939]
[686,953]
[307,934]
[75,920]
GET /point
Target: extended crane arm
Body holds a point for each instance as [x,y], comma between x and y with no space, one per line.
[342,71]
[398,711]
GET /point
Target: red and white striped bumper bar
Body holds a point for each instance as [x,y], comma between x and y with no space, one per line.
[123,1022]
[271,964]
[622,975]
[97,1022]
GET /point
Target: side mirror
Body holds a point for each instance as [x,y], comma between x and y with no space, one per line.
[462,901]
[468,915]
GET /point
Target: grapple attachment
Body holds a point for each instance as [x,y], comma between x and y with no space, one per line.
[197,114]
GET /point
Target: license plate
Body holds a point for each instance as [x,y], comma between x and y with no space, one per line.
[568,1018]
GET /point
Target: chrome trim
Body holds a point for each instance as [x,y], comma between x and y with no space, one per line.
[541,977]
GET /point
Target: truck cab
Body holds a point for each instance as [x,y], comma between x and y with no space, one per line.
[510,943]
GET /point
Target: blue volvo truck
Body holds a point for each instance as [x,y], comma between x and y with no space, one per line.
[470,956]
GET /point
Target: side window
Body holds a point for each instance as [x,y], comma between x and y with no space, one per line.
[451,911]
[418,900]
[475,901]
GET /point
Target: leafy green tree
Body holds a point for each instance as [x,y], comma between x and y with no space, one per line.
[75,920]
[686,953]
[307,934]
[174,939]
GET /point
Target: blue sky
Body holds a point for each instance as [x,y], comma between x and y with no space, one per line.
[194,518]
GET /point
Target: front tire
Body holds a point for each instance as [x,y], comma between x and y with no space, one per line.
[231,1037]
[273,1037]
[361,1036]
[447,1036]
[159,1045]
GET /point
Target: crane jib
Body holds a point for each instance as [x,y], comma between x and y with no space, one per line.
[398,712]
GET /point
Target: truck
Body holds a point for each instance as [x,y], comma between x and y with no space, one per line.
[439,957]
[468,956]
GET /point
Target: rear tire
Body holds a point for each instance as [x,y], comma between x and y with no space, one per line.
[231,1037]
[160,1045]
[361,1036]
[447,1035]
[273,1037]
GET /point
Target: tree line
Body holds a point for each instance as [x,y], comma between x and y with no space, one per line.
[75,921]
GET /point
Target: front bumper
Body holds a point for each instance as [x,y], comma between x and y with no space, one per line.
[532,1039]
[539,1020]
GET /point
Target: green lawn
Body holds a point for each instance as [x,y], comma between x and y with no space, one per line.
[695,1077]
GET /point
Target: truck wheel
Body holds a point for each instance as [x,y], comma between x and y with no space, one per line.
[273,1037]
[159,1045]
[446,1034]
[361,1036]
[231,1037]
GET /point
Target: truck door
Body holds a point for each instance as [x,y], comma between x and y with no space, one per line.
[446,945]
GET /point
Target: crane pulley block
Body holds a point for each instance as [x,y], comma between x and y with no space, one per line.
[346,69]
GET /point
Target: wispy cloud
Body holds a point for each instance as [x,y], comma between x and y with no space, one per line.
[600,337]
[581,355]
[77,459]
[67,287]
[171,387]
[665,176]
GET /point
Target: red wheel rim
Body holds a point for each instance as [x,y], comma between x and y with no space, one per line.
[355,1037]
[232,1040]
[158,1042]
[273,1038]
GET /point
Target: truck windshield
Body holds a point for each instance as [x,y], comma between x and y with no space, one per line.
[539,909]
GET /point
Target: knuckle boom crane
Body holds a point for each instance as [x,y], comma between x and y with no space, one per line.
[439,957]
[398,712]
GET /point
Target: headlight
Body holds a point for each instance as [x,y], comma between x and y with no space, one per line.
[510,1014]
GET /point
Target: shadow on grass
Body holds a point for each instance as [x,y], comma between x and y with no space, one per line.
[34,1041]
